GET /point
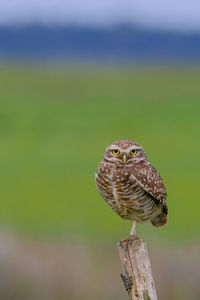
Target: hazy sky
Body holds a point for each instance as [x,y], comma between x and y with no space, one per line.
[169,14]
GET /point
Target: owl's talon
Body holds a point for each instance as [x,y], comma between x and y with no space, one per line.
[126,240]
[131,239]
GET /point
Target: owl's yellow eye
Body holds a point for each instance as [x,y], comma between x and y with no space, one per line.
[133,151]
[115,151]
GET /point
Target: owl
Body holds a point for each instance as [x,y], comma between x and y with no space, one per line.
[131,185]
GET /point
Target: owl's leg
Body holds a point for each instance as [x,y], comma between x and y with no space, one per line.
[133,229]
[132,235]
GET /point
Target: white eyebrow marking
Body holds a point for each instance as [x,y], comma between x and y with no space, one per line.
[127,149]
[133,147]
[114,147]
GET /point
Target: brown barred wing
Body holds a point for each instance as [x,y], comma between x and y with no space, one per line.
[151,181]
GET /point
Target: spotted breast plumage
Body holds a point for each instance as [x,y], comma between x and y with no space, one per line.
[131,185]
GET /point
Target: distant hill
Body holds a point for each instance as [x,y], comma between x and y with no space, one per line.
[122,42]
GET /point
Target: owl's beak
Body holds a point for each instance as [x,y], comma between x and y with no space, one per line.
[124,157]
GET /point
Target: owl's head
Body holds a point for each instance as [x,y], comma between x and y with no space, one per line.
[124,153]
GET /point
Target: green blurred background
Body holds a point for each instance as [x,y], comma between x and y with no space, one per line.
[55,123]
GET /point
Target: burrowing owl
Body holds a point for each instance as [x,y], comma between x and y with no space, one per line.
[131,185]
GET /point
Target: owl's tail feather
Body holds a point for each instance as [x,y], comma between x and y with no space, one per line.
[160,220]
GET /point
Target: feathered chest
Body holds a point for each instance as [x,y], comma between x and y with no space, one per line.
[115,182]
[119,187]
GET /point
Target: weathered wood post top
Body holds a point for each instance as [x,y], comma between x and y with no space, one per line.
[136,269]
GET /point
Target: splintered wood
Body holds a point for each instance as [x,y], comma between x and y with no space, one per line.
[136,274]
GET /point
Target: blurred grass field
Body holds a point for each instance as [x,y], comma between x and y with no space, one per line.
[55,123]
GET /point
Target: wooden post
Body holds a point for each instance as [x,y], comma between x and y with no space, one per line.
[136,275]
